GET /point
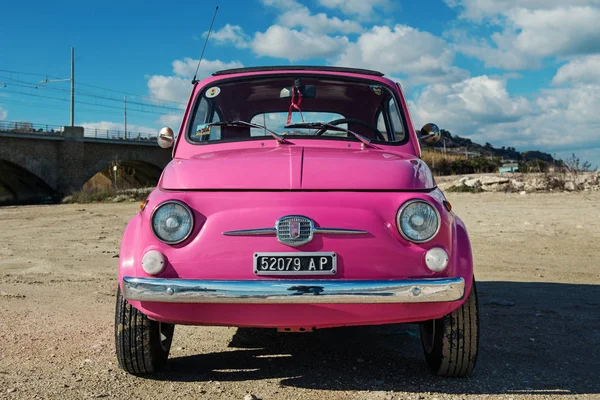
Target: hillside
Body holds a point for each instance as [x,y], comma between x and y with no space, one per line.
[464,146]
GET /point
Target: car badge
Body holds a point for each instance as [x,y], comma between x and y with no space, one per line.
[295,229]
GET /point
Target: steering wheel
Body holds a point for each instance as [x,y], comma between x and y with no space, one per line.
[351,121]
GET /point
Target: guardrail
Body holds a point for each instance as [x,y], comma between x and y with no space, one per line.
[28,127]
[57,130]
[118,135]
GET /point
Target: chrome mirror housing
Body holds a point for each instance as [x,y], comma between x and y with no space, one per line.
[165,137]
[430,134]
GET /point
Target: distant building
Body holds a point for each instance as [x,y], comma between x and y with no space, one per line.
[509,167]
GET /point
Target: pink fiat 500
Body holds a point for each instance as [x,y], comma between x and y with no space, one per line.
[296,199]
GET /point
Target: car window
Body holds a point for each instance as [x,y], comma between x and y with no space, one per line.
[381,125]
[370,109]
[202,118]
[396,121]
[276,121]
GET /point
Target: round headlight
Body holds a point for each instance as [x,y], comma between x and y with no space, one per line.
[418,221]
[172,222]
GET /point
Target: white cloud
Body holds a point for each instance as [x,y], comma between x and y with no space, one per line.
[530,31]
[564,120]
[468,105]
[500,53]
[187,67]
[479,9]
[580,70]
[178,87]
[557,120]
[282,42]
[171,120]
[233,34]
[281,4]
[3,114]
[317,23]
[361,8]
[298,34]
[577,104]
[297,15]
[560,31]
[424,57]
[171,88]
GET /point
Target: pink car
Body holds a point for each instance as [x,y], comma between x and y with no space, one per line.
[296,199]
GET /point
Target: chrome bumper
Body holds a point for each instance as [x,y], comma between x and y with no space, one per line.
[293,291]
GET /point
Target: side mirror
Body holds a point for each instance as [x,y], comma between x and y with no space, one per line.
[430,134]
[165,137]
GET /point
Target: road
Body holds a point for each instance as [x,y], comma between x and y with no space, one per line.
[537,262]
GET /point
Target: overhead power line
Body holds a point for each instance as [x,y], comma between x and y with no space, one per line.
[26,73]
[97,87]
[133,94]
[55,107]
[32,85]
[84,102]
[141,104]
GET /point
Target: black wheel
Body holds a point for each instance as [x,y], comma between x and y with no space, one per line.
[451,343]
[142,344]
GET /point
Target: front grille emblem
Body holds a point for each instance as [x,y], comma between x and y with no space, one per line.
[294,230]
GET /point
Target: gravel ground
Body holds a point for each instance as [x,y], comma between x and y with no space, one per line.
[538,270]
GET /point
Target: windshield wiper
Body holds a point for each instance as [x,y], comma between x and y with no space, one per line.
[276,135]
[320,125]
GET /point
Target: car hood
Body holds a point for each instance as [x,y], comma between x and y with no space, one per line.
[298,168]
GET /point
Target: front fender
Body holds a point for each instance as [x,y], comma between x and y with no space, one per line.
[461,254]
[131,248]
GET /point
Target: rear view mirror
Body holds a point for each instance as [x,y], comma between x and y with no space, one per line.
[165,138]
[430,134]
[308,91]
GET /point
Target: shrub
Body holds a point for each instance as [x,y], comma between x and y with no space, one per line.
[465,189]
[574,164]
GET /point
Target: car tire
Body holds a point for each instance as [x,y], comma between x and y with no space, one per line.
[451,343]
[142,344]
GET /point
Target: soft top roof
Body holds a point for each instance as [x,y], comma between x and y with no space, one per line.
[298,68]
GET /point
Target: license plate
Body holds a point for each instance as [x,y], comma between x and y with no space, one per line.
[321,263]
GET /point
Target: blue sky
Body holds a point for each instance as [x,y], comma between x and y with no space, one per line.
[521,73]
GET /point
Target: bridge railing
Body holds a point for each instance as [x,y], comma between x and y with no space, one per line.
[57,130]
[118,135]
[28,127]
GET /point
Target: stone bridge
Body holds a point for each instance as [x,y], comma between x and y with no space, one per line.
[60,164]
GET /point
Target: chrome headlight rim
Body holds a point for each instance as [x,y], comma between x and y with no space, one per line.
[399,215]
[188,210]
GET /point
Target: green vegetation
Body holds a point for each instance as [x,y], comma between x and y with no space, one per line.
[465,189]
[454,164]
[455,145]
[94,195]
[91,195]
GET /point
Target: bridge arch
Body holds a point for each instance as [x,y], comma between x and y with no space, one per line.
[18,185]
[128,174]
[39,157]
[66,162]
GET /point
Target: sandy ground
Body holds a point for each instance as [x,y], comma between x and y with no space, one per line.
[537,263]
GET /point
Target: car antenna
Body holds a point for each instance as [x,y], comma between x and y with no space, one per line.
[205,43]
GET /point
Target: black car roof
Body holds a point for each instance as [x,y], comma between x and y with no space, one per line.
[298,68]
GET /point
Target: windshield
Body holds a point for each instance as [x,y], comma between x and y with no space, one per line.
[362,107]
